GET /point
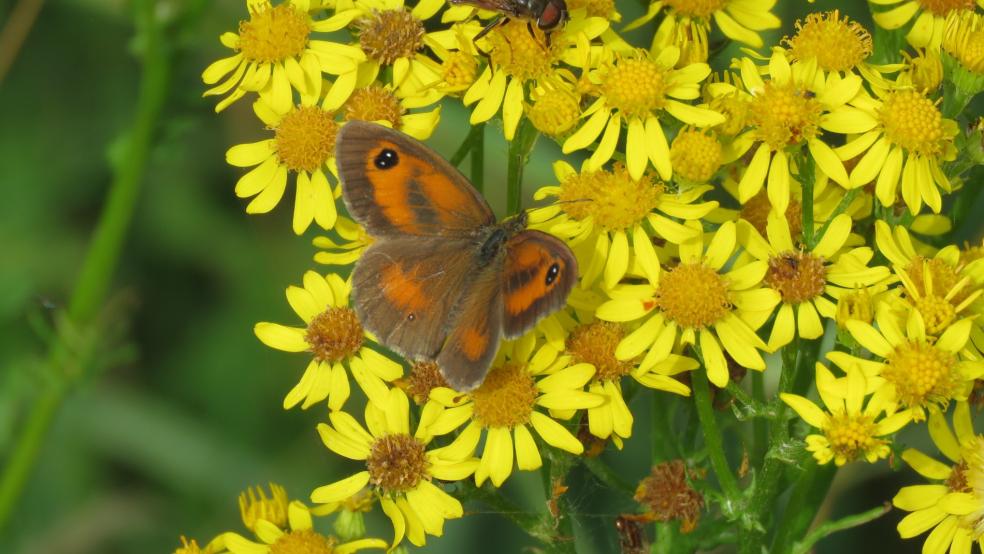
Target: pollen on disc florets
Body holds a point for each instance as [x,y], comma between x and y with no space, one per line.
[397,463]
[613,198]
[943,276]
[375,103]
[254,504]
[554,112]
[936,311]
[636,86]
[667,495]
[334,334]
[459,70]
[506,397]
[595,344]
[693,295]
[696,8]
[855,305]
[305,138]
[756,211]
[837,44]
[922,374]
[303,541]
[796,276]
[913,122]
[695,155]
[388,35]
[853,435]
[594,8]
[523,55]
[424,377]
[736,111]
[785,115]
[274,34]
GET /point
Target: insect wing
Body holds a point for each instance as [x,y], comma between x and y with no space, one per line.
[539,273]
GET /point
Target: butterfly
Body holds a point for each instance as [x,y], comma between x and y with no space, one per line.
[442,280]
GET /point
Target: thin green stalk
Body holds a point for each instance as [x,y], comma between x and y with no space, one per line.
[101,258]
[804,502]
[478,159]
[712,435]
[767,481]
[829,528]
[606,475]
[533,524]
[519,153]
[760,430]
[468,144]
[555,468]
[841,207]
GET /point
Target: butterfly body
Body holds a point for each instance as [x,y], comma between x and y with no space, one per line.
[442,280]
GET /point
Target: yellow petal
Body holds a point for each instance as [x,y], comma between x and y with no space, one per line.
[340,490]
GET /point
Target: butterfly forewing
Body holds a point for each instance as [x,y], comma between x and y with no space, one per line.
[395,186]
[539,273]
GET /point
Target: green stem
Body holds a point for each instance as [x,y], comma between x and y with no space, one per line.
[767,481]
[829,528]
[101,258]
[606,475]
[759,429]
[467,145]
[841,207]
[712,435]
[519,153]
[556,466]
[533,524]
[804,503]
[478,159]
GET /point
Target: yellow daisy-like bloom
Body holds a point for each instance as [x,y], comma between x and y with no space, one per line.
[353,242]
[964,40]
[690,21]
[850,428]
[275,53]
[602,214]
[903,136]
[293,531]
[696,156]
[595,344]
[457,58]
[836,44]
[522,379]
[521,61]
[635,88]
[951,504]
[303,143]
[862,303]
[786,113]
[399,468]
[922,71]
[918,372]
[930,18]
[938,306]
[335,339]
[697,302]
[389,107]
[216,546]
[808,280]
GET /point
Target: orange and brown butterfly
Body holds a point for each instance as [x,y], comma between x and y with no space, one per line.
[442,279]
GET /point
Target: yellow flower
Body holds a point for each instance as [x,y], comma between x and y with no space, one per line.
[399,468]
[520,61]
[902,135]
[685,20]
[808,280]
[304,144]
[603,215]
[850,428]
[635,88]
[927,31]
[354,241]
[275,53]
[962,40]
[951,504]
[335,339]
[457,62]
[923,71]
[293,532]
[697,302]
[503,408]
[918,372]
[595,344]
[695,156]
[389,107]
[393,35]
[216,546]
[786,113]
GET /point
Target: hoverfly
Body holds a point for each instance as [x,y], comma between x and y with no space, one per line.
[549,15]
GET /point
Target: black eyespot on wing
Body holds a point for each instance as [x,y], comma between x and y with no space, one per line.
[552,272]
[386,159]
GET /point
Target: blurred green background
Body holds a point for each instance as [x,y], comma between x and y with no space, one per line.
[180,406]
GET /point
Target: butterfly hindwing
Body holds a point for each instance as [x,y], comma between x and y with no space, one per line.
[539,272]
[396,186]
[476,328]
